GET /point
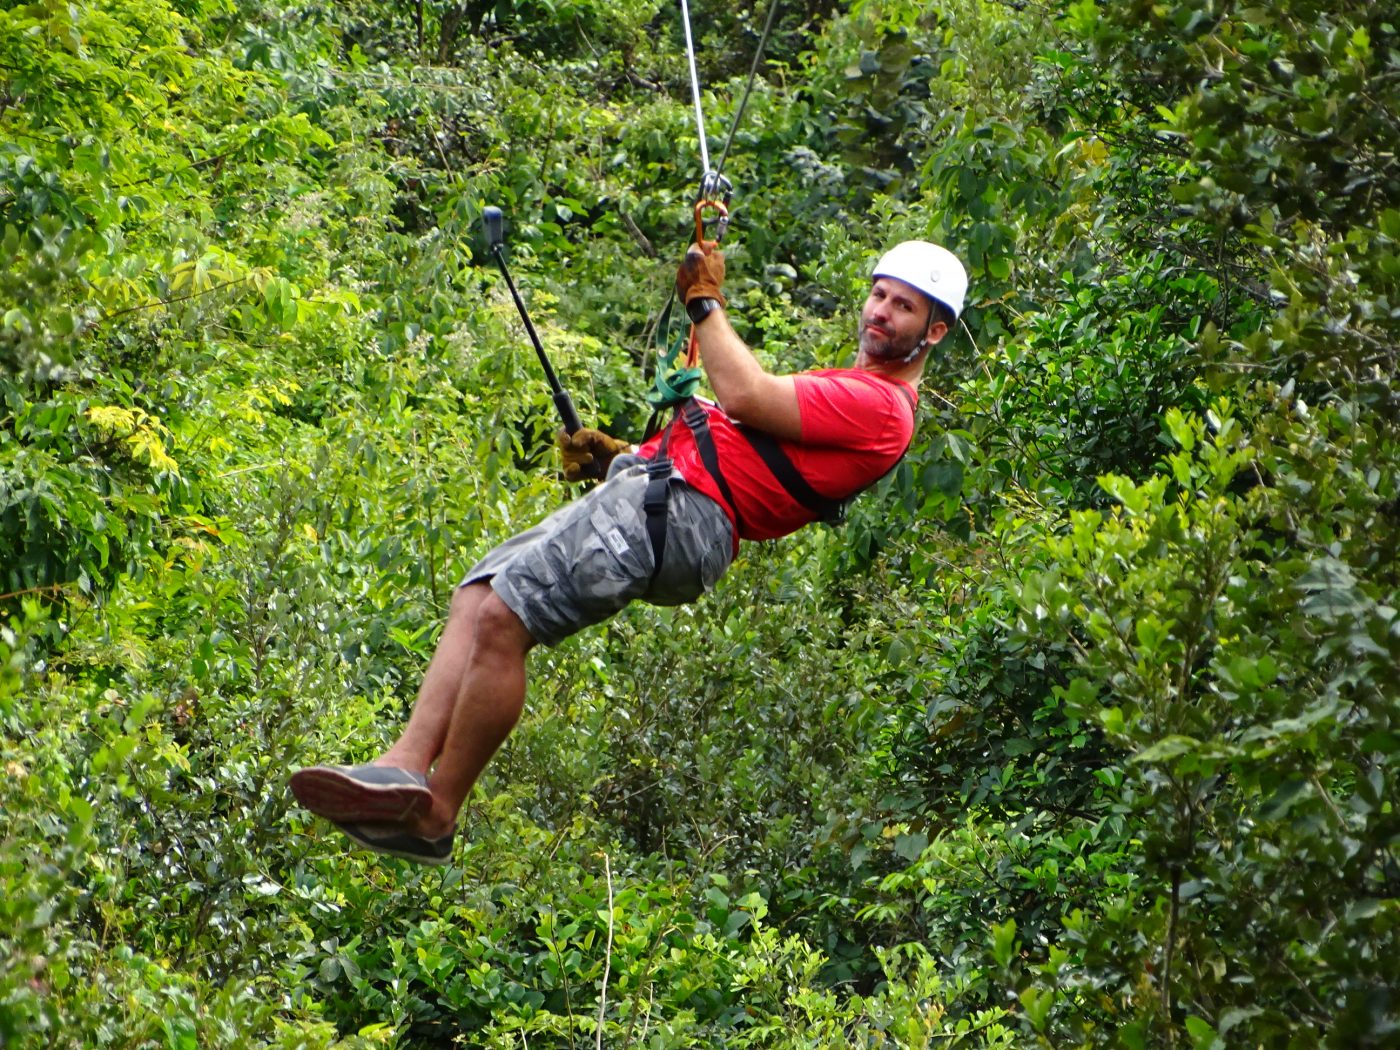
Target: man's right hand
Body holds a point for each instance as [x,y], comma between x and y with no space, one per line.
[583,448]
[701,273]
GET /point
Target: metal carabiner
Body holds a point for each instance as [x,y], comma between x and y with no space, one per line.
[713,184]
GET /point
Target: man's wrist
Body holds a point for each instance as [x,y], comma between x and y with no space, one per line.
[701,308]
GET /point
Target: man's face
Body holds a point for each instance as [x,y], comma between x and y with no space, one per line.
[894,320]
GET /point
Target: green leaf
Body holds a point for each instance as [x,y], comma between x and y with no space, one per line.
[1037,1002]
[1004,943]
[1331,591]
[1168,747]
[1281,801]
[1203,1036]
[910,846]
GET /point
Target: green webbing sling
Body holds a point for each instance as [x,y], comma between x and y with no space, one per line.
[673,386]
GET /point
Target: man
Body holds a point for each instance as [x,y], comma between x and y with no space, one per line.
[663,530]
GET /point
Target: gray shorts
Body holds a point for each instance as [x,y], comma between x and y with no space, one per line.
[592,556]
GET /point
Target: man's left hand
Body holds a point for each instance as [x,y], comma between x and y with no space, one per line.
[701,273]
[583,448]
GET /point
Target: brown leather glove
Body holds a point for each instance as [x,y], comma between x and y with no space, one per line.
[701,273]
[581,449]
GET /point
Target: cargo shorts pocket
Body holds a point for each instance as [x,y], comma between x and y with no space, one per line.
[622,553]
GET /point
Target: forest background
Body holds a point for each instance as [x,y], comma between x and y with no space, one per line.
[1082,731]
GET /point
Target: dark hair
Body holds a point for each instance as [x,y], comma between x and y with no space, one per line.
[941,312]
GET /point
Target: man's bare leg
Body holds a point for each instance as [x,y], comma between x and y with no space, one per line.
[488,703]
[421,741]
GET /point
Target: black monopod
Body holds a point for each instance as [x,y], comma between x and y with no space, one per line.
[494,221]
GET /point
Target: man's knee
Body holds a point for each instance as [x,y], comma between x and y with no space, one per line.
[498,629]
[466,598]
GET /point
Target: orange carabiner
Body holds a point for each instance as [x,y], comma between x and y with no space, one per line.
[692,350]
[700,207]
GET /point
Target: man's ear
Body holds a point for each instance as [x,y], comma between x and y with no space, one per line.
[936,331]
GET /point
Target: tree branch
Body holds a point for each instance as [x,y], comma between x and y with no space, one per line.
[165,302]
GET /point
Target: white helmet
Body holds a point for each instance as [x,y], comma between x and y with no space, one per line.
[933,270]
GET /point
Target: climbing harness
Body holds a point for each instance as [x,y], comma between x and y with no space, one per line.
[673,384]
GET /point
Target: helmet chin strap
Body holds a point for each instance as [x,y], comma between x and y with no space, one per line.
[919,349]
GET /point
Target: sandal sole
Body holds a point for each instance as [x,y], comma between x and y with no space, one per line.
[338,796]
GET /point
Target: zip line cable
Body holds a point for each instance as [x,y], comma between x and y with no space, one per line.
[743,102]
[748,88]
[695,87]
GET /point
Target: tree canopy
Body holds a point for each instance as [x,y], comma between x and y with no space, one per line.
[1081,732]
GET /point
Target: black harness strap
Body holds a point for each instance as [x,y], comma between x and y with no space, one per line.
[694,417]
[656,501]
[829,510]
[791,479]
[657,497]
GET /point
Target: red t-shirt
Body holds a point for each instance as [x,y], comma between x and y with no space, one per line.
[855,426]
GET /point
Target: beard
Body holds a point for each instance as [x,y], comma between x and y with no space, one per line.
[884,347]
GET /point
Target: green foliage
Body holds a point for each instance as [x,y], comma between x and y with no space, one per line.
[1081,732]
[1248,753]
[37,270]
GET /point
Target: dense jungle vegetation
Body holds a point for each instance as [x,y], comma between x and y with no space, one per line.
[1081,733]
